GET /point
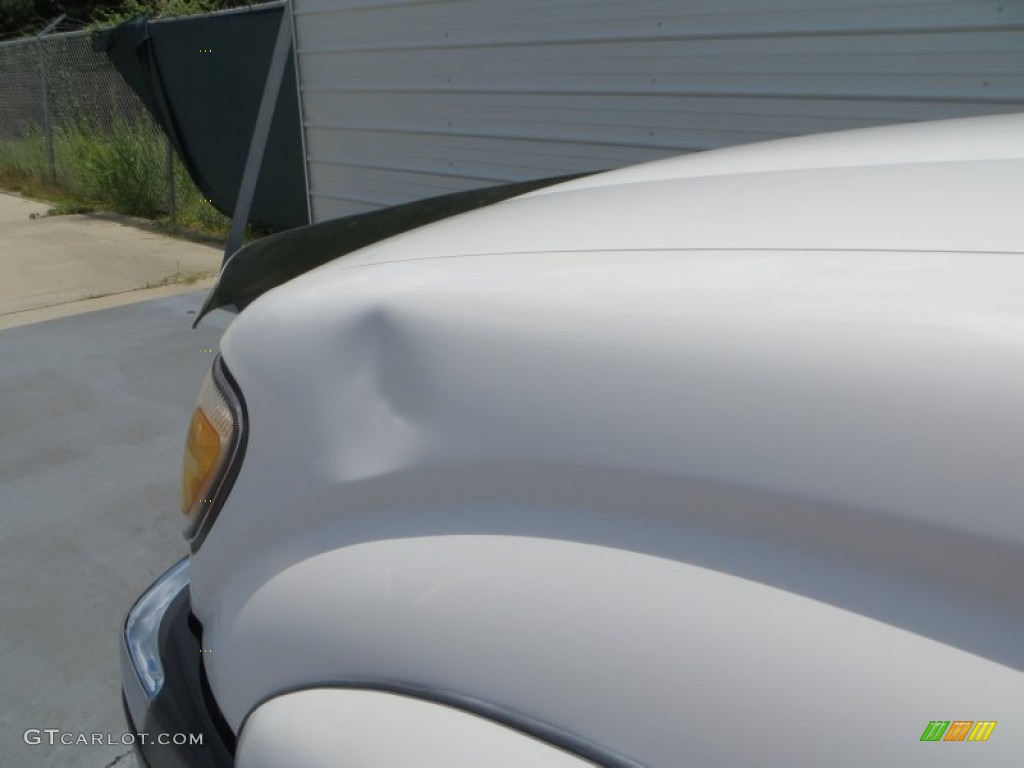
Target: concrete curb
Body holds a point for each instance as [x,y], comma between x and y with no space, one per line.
[120,299]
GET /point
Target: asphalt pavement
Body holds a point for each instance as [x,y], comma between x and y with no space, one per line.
[93,412]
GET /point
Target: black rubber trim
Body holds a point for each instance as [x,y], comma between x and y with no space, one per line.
[550,734]
[139,757]
[225,479]
[181,706]
[220,723]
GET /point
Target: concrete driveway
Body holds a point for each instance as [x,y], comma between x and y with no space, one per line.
[93,411]
[48,262]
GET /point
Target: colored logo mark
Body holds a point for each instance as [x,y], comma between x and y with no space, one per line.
[958,730]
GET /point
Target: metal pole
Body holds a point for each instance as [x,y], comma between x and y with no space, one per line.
[172,207]
[247,189]
[51,163]
[289,8]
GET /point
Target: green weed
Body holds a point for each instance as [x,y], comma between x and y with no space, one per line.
[120,168]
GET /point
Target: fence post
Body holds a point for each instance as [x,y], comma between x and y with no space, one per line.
[172,205]
[51,163]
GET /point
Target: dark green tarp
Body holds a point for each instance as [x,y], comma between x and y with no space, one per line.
[202,79]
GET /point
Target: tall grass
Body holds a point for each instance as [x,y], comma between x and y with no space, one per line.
[120,168]
[23,158]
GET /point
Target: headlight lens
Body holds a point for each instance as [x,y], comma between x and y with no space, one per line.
[212,448]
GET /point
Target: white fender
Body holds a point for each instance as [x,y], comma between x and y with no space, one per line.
[336,728]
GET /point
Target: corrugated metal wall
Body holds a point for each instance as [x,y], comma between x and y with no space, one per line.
[407,99]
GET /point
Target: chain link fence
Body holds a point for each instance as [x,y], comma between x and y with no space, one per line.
[67,116]
[61,73]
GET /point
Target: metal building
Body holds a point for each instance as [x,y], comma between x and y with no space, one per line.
[405,99]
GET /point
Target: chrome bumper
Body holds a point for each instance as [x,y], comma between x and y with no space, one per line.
[142,671]
[164,684]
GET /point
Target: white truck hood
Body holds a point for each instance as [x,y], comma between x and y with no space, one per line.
[945,186]
[822,367]
[853,335]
